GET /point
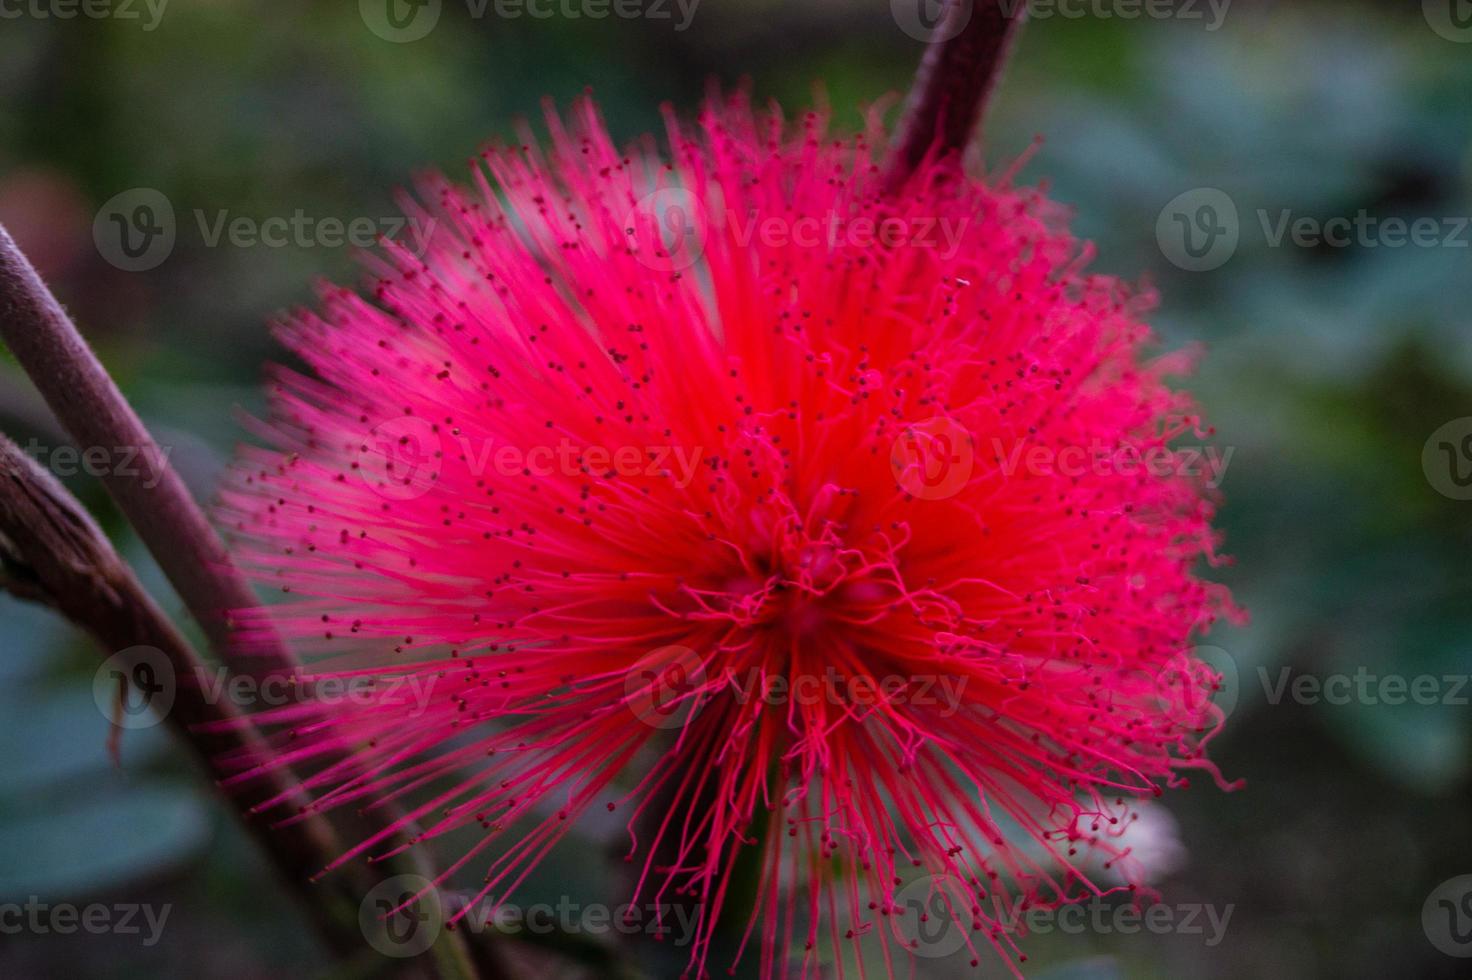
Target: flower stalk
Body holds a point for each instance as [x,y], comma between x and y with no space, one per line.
[954,82]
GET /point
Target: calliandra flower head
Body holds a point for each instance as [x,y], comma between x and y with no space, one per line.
[761,506]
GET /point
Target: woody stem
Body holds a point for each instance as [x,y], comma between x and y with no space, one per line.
[960,69]
[153,497]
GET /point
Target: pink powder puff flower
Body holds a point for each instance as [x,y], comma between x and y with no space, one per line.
[782,515]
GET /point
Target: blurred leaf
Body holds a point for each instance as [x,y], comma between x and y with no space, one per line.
[1095,968]
[33,634]
[53,737]
[100,843]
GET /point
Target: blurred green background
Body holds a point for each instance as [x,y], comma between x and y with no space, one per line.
[1326,371]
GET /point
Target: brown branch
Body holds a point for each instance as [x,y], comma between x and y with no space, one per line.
[52,552]
[154,499]
[954,82]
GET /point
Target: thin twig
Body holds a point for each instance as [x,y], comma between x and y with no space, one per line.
[954,82]
[53,553]
[151,495]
